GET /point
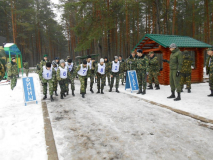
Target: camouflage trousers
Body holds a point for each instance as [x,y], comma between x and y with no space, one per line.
[155,76]
[115,75]
[63,85]
[55,85]
[92,76]
[50,83]
[71,81]
[13,82]
[101,79]
[108,77]
[83,81]
[174,81]
[122,77]
[185,78]
[211,80]
[142,78]
[27,72]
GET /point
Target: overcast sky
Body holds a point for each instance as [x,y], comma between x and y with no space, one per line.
[56,11]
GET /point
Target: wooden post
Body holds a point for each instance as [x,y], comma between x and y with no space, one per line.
[165,72]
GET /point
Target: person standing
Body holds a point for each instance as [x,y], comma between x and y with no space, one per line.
[90,64]
[26,67]
[122,64]
[175,64]
[131,62]
[71,79]
[47,75]
[100,71]
[62,75]
[209,70]
[153,70]
[55,83]
[2,70]
[44,61]
[142,71]
[107,64]
[83,71]
[186,71]
[115,70]
[12,72]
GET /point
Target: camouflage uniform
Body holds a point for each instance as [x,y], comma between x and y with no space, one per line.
[55,83]
[49,81]
[71,78]
[63,82]
[12,73]
[38,68]
[142,69]
[131,63]
[211,73]
[122,64]
[107,71]
[92,75]
[100,77]
[153,70]
[26,67]
[186,71]
[2,71]
[43,63]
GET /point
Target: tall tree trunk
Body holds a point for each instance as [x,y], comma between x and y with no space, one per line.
[174,18]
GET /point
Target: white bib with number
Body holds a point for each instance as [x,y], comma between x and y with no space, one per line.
[47,74]
[56,68]
[70,67]
[115,66]
[89,64]
[83,71]
[63,72]
[101,68]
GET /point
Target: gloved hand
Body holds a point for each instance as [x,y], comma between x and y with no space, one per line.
[177,74]
[165,60]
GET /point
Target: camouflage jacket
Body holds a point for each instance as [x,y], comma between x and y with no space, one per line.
[131,63]
[43,63]
[12,69]
[44,80]
[153,64]
[211,65]
[187,63]
[208,64]
[26,65]
[142,63]
[176,60]
[88,72]
[2,71]
[123,66]
[58,73]
[107,66]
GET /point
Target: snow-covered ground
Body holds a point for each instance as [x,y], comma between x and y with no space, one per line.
[122,126]
[21,127]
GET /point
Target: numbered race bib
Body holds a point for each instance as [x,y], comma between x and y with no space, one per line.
[101,68]
[47,74]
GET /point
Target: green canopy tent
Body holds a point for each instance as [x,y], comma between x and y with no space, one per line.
[12,49]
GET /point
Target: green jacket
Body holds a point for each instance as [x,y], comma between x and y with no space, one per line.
[88,72]
[207,64]
[107,66]
[122,66]
[142,63]
[44,80]
[131,63]
[43,63]
[187,63]
[26,65]
[2,71]
[211,65]
[153,64]
[12,69]
[176,60]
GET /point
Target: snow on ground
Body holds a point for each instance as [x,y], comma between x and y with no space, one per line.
[122,126]
[21,127]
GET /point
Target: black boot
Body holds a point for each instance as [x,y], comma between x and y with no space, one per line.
[150,87]
[56,94]
[91,90]
[45,97]
[98,91]
[178,97]
[102,92]
[189,90]
[139,91]
[157,87]
[144,92]
[122,83]
[110,90]
[62,97]
[83,95]
[211,95]
[181,90]
[51,98]
[117,90]
[73,94]
[67,92]
[173,95]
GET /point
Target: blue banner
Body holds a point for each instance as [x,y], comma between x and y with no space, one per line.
[29,90]
[131,81]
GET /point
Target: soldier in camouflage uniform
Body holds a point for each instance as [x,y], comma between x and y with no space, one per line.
[131,62]
[26,67]
[175,64]
[122,64]
[12,72]
[209,66]
[71,79]
[55,83]
[142,71]
[107,63]
[91,65]
[100,71]
[44,61]
[38,68]
[83,72]
[47,75]
[2,71]
[153,70]
[115,70]
[62,75]
[185,73]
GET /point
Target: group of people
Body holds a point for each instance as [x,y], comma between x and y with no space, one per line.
[63,72]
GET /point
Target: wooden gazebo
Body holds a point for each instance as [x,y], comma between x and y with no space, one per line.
[160,45]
